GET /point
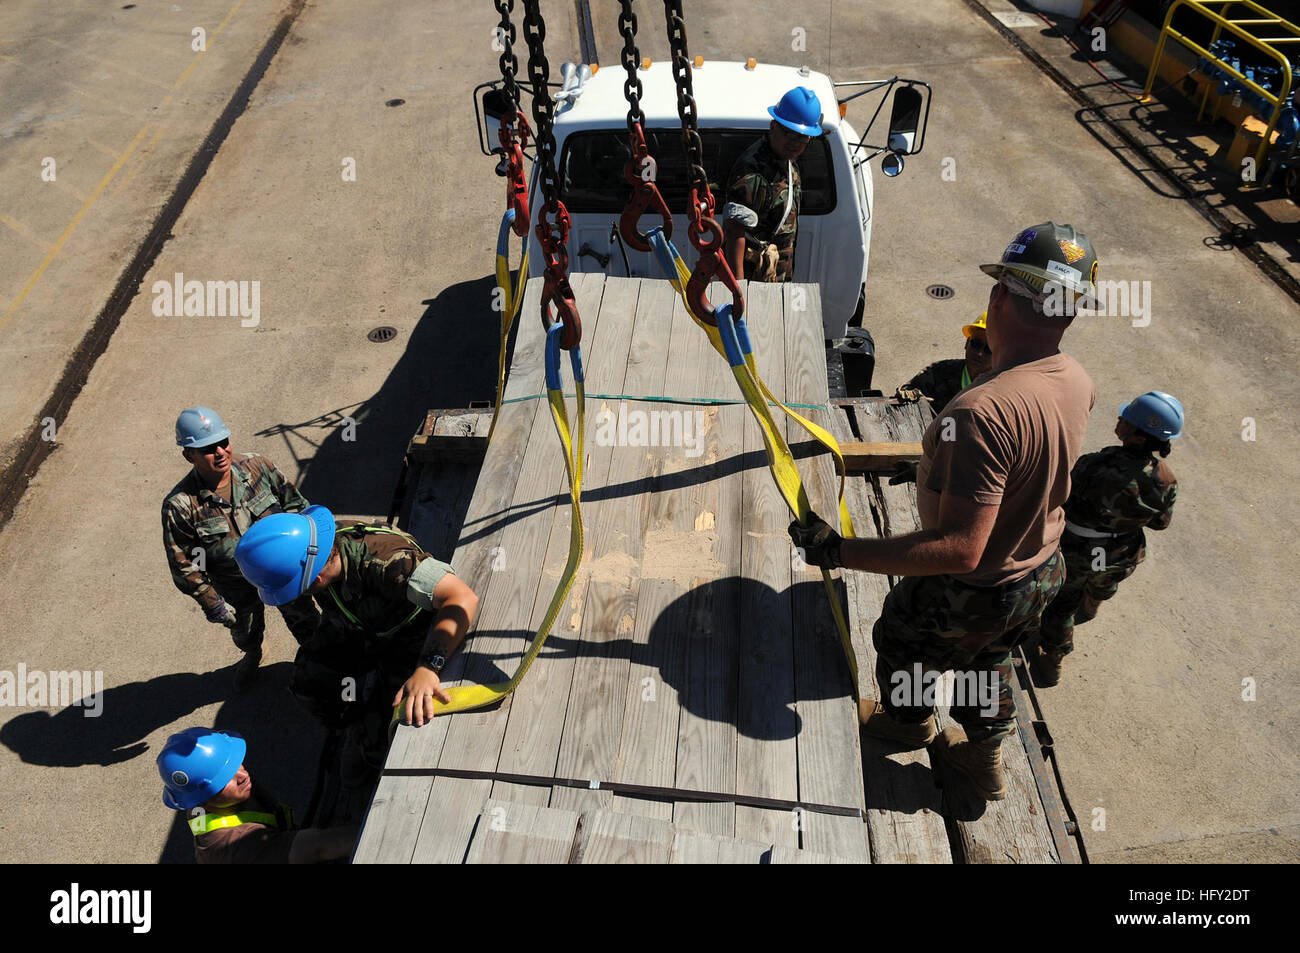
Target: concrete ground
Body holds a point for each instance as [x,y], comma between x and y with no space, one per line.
[1163,758]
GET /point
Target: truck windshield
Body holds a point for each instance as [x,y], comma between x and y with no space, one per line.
[591,168]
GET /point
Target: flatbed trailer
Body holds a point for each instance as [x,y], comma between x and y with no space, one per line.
[692,702]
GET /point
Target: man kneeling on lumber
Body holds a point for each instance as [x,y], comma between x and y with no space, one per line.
[993,478]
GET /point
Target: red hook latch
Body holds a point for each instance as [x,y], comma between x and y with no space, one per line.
[645,193]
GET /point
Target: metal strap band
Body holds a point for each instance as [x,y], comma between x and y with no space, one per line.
[631,790]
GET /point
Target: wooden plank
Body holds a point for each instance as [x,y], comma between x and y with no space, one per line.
[767,723]
[647,746]
[830,765]
[704,523]
[690,847]
[592,722]
[904,819]
[534,732]
[474,738]
[510,833]
[788,855]
[860,457]
[608,837]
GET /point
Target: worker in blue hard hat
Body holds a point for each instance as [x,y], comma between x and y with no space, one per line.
[234,819]
[391,616]
[760,219]
[1115,494]
[203,518]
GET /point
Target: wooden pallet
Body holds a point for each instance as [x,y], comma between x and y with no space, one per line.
[691,656]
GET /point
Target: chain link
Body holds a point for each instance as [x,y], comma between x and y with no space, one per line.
[686,108]
[539,74]
[509,62]
[632,88]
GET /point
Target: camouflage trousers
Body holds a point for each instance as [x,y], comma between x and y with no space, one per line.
[1094,568]
[301,615]
[930,625]
[342,672]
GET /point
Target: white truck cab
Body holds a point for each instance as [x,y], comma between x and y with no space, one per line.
[833,244]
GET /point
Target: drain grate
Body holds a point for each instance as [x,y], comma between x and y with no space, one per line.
[381,334]
[942,292]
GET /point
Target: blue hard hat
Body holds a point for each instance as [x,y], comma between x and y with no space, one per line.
[1156,413]
[800,110]
[282,554]
[196,764]
[200,426]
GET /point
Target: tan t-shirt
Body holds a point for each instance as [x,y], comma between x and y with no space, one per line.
[1010,439]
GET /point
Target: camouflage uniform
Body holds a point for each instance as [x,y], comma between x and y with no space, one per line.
[761,182]
[940,382]
[201,529]
[945,624]
[1117,490]
[374,619]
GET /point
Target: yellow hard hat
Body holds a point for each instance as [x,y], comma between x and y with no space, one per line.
[978,325]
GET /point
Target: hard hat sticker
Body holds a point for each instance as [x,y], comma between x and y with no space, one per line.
[1027,236]
[1072,251]
[1013,249]
[1092,278]
[1065,271]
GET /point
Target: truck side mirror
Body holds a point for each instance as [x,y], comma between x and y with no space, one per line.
[904,119]
[494,105]
[891,164]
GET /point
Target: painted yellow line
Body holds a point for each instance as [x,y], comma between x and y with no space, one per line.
[103,183]
[107,150]
[139,164]
[24,231]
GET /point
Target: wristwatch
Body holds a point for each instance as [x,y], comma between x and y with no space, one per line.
[434,661]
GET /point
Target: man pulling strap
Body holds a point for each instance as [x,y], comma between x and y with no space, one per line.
[389,612]
[994,474]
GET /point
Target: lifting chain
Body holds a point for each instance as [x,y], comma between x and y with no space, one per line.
[513,133]
[712,264]
[553,238]
[640,170]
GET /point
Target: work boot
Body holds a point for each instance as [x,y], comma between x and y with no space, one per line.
[246,670]
[979,761]
[877,723]
[1045,666]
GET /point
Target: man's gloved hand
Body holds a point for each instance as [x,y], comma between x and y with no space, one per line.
[819,542]
[904,473]
[224,614]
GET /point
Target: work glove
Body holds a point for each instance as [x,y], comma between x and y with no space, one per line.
[224,614]
[905,473]
[819,542]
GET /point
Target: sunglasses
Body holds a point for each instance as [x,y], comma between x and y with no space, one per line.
[212,448]
[794,136]
[978,345]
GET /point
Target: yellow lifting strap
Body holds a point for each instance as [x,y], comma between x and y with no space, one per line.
[466,697]
[511,299]
[779,458]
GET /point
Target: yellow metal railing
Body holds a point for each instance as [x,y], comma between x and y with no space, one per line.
[1237,27]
